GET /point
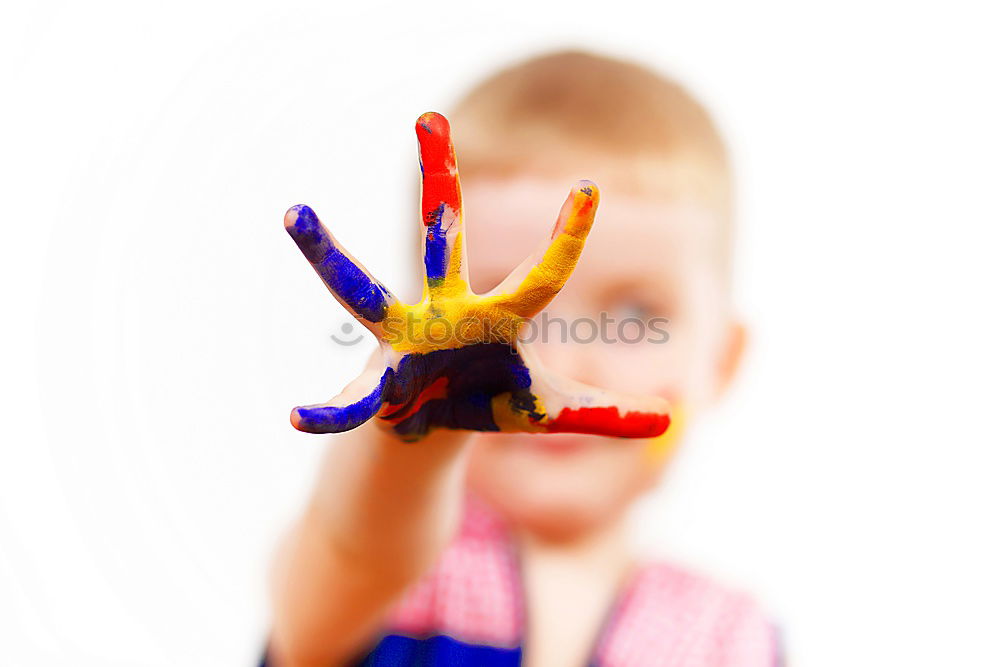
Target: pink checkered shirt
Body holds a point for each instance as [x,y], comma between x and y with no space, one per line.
[665,617]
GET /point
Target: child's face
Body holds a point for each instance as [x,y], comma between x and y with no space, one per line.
[645,258]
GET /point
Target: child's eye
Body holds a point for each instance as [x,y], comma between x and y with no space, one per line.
[635,309]
[630,308]
[633,312]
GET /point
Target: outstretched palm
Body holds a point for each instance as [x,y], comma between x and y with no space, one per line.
[453,360]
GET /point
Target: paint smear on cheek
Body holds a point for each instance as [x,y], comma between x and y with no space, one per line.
[661,448]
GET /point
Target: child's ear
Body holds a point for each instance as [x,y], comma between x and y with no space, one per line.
[733,347]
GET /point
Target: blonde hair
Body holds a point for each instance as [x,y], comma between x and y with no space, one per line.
[578,110]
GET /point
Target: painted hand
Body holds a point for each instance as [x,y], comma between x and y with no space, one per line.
[454,360]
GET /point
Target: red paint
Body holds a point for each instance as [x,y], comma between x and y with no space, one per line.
[608,421]
[437,160]
[436,389]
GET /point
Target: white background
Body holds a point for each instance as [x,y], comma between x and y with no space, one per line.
[160,324]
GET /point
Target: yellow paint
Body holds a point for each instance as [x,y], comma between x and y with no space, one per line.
[549,276]
[545,278]
[662,447]
[450,316]
[510,420]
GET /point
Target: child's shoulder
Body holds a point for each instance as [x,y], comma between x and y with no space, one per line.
[692,617]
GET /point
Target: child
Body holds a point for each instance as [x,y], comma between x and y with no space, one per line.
[474,547]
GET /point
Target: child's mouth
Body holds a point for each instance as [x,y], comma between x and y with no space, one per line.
[558,444]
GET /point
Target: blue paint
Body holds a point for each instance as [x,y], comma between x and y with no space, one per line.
[331,419]
[475,375]
[365,296]
[435,247]
[398,650]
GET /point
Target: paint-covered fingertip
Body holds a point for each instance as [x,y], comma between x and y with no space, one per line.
[296,419]
[643,425]
[298,217]
[309,235]
[577,215]
[661,415]
[659,423]
[665,415]
[433,123]
[437,154]
[587,191]
[305,419]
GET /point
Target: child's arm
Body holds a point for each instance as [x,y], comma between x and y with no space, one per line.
[388,497]
[381,512]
